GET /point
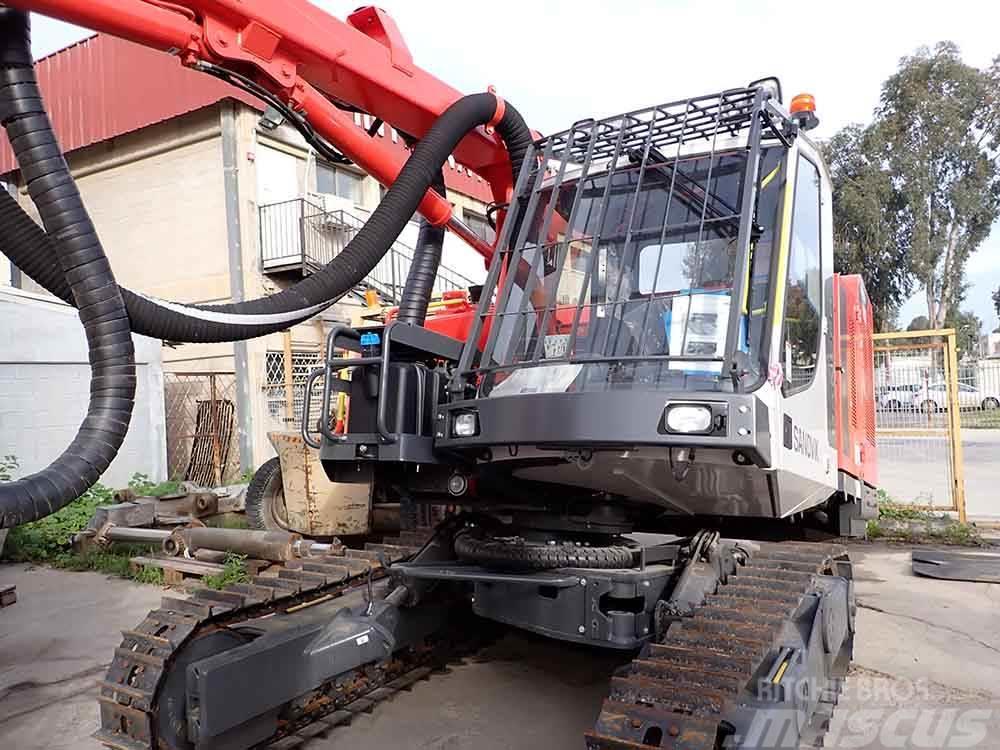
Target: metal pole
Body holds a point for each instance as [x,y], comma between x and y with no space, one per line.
[392,267]
[215,423]
[955,431]
[286,341]
[230,168]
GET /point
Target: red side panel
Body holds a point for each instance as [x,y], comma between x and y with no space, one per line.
[854,379]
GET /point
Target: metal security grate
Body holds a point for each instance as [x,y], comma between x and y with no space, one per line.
[628,241]
[277,387]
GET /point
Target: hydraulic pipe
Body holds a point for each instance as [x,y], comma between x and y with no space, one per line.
[419,285]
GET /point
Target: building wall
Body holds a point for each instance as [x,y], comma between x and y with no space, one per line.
[45,385]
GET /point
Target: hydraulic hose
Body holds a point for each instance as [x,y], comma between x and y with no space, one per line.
[33,252]
[419,285]
[79,257]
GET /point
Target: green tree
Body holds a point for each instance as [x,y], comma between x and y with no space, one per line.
[968,329]
[867,236]
[996,300]
[936,131]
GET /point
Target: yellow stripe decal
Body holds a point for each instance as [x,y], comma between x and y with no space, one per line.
[786,240]
[746,287]
[770,176]
[780,673]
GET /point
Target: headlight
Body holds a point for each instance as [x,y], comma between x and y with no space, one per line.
[465,424]
[689,418]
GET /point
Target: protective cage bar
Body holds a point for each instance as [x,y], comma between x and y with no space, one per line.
[568,284]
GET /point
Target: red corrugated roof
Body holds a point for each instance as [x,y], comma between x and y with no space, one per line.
[103,87]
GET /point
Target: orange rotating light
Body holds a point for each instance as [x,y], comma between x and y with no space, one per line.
[803,111]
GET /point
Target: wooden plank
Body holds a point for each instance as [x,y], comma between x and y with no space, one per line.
[8,595]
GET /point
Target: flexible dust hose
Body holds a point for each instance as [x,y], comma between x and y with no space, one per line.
[419,285]
[84,267]
[33,252]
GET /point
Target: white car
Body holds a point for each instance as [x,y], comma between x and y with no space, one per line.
[935,398]
[897,397]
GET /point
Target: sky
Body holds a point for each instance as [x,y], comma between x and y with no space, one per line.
[560,61]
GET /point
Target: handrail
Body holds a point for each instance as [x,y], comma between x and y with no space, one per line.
[297,232]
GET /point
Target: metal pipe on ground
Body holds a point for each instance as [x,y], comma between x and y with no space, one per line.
[278,546]
[134,535]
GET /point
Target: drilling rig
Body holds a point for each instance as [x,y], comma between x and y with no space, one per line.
[661,365]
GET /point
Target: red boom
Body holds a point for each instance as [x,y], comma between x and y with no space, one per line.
[306,57]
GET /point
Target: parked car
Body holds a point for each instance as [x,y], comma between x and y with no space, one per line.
[934,397]
[897,397]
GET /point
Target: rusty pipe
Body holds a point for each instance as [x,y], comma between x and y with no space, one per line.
[278,546]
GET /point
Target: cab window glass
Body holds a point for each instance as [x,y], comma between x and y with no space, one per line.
[804,292]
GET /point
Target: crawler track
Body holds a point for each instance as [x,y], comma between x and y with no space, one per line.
[676,694]
[679,691]
[129,694]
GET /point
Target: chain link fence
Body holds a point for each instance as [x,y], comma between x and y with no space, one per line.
[202,427]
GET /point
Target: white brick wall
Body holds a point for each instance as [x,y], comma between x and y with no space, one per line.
[45,384]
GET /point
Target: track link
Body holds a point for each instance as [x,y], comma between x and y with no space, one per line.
[130,690]
[679,691]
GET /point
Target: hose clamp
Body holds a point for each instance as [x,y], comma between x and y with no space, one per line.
[498,114]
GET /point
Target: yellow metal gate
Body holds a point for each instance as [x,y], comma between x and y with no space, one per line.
[918,419]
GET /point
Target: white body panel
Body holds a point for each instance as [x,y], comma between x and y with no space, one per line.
[805,473]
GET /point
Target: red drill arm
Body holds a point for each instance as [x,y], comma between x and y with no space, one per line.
[306,58]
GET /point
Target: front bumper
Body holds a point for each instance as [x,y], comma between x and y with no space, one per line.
[612,419]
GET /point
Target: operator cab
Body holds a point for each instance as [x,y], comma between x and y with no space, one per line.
[654,334]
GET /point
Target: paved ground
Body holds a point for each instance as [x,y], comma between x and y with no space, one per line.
[910,469]
[927,671]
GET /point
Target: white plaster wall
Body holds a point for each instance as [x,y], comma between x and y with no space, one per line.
[45,385]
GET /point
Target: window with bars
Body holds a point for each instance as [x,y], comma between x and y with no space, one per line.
[303,362]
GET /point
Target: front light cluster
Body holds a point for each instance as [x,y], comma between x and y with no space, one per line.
[465,424]
[689,418]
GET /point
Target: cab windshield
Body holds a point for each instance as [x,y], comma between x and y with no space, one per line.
[625,279]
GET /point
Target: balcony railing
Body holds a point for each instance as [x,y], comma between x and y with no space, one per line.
[300,237]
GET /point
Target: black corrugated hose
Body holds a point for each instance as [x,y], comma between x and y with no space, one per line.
[31,250]
[419,285]
[68,260]
[82,263]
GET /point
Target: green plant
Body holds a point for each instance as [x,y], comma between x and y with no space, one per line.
[228,521]
[149,574]
[142,486]
[899,512]
[233,571]
[905,523]
[43,540]
[110,561]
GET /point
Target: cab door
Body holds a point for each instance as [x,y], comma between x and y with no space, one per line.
[807,473]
